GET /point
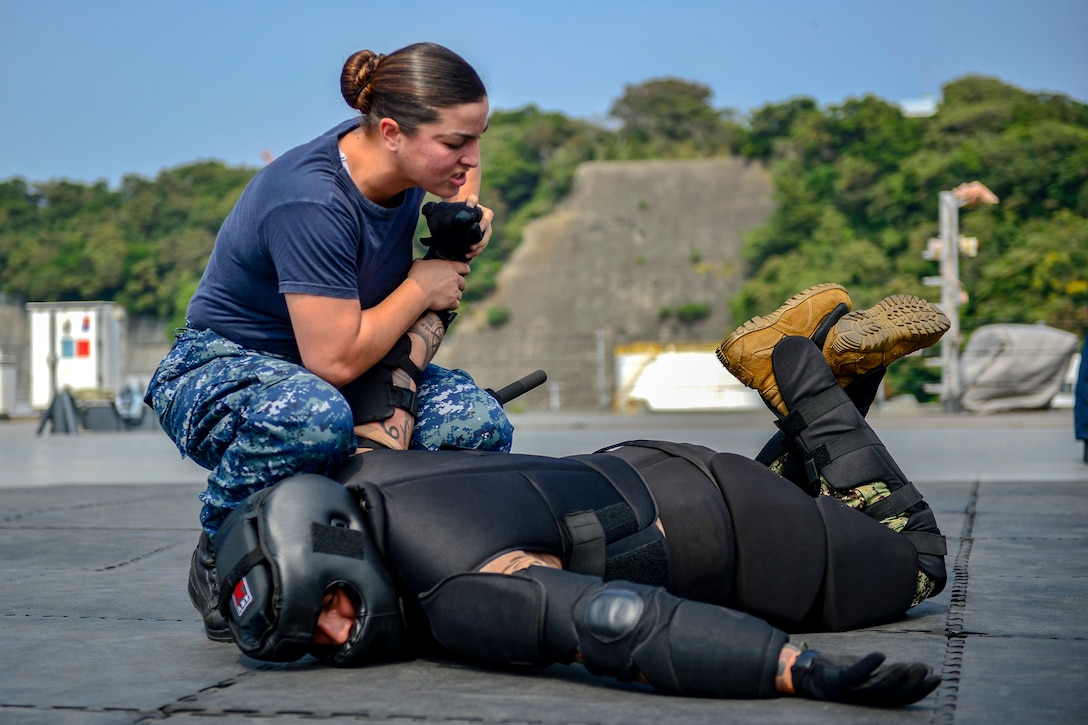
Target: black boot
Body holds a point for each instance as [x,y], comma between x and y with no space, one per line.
[837,446]
[204,590]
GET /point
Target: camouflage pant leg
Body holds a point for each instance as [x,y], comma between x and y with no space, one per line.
[455,411]
[251,419]
[861,497]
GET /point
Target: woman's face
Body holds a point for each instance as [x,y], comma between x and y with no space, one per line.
[336,619]
[439,154]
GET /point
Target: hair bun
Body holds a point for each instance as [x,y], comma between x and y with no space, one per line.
[357,77]
[411,85]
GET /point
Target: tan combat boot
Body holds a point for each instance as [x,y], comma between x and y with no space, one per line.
[747,351]
[867,339]
[858,343]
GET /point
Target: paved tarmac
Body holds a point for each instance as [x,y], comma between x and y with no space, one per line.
[96,531]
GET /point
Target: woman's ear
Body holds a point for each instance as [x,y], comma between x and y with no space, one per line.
[390,133]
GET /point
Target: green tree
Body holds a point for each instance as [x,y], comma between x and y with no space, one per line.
[672,117]
[771,123]
[857,185]
[140,245]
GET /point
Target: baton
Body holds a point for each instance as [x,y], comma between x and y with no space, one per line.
[519,387]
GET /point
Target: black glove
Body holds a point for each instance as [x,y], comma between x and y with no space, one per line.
[861,681]
[454,227]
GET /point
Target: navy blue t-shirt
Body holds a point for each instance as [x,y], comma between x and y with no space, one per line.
[301,225]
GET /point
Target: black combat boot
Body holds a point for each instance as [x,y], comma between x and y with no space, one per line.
[204,590]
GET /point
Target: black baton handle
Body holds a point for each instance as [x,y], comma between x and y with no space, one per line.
[519,387]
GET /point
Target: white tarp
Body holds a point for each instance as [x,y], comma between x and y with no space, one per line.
[1014,367]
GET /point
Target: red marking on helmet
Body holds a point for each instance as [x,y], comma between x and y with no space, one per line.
[242,597]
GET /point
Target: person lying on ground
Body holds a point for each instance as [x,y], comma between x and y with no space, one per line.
[665,563]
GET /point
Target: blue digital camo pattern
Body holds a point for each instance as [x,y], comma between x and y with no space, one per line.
[455,411]
[253,419]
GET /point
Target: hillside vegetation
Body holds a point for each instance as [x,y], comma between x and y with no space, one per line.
[640,254]
[855,192]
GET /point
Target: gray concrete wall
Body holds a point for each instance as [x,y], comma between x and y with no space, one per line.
[631,240]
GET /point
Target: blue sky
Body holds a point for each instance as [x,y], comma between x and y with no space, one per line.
[97,89]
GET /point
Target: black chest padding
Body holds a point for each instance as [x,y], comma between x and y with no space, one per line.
[439,513]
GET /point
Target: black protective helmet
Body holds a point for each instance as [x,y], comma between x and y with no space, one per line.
[280,551]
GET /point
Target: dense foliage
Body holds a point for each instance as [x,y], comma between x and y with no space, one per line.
[857,189]
[857,199]
[143,245]
[856,186]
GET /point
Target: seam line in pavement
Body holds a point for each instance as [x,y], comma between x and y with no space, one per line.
[948,691]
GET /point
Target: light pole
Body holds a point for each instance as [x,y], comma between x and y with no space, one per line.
[949,243]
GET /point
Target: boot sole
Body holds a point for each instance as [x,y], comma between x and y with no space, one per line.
[894,327]
[218,635]
[799,315]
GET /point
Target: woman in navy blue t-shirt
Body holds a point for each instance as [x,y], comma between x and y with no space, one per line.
[312,288]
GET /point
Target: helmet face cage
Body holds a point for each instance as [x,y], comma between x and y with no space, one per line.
[280,551]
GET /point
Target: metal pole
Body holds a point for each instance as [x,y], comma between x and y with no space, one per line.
[950,300]
[604,397]
[51,358]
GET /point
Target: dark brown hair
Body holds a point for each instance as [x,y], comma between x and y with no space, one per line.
[410,85]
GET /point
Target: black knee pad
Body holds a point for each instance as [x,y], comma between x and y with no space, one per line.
[619,629]
[373,396]
[871,570]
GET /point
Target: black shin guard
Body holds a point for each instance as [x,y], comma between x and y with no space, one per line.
[373,396]
[619,629]
[862,392]
[777,446]
[827,429]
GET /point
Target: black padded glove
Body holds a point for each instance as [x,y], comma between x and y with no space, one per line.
[861,681]
[454,227]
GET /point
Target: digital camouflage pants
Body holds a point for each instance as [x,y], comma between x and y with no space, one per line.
[252,418]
